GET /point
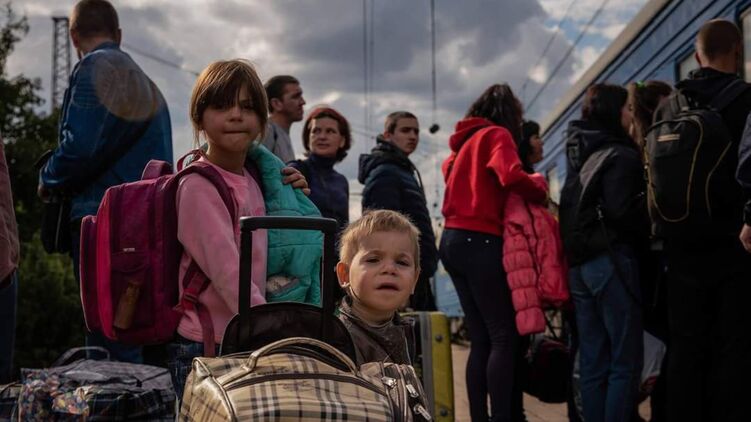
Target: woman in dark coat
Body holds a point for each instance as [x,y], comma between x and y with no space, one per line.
[326,139]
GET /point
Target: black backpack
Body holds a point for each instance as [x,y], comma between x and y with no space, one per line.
[690,166]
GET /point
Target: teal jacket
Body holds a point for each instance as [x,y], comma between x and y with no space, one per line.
[294,256]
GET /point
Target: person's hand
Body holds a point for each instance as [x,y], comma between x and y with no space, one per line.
[43,193]
[746,237]
[293,177]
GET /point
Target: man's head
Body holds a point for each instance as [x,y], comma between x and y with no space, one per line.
[719,45]
[285,98]
[402,130]
[380,263]
[93,22]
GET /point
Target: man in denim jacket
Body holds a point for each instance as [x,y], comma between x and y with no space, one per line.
[109,102]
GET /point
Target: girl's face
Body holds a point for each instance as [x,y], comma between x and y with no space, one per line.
[325,139]
[231,128]
[535,152]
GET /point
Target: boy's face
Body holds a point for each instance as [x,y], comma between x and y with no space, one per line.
[406,135]
[381,276]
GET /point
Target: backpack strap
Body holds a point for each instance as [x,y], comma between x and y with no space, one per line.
[195,281]
[728,94]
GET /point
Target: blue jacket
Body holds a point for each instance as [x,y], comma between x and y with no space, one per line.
[392,182]
[108,101]
[294,254]
[329,190]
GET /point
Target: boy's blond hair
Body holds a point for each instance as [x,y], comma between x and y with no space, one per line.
[374,221]
[219,86]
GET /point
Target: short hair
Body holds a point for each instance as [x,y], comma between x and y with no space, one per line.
[602,106]
[374,221]
[94,17]
[275,87]
[499,105]
[219,86]
[392,120]
[718,37]
[328,112]
[644,98]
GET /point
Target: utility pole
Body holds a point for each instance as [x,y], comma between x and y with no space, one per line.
[60,60]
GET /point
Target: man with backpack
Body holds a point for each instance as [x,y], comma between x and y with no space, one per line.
[696,207]
[112,122]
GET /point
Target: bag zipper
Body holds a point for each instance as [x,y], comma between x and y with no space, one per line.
[276,377]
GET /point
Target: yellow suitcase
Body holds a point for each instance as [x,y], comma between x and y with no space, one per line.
[433,363]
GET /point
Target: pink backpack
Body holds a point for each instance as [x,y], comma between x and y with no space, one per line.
[130,259]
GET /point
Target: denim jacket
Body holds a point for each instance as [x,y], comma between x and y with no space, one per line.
[108,100]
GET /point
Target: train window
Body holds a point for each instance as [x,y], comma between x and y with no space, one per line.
[688,64]
[746,18]
[554,184]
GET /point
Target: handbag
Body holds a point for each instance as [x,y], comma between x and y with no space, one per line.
[549,367]
[55,228]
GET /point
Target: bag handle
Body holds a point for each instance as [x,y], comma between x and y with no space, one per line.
[68,356]
[296,341]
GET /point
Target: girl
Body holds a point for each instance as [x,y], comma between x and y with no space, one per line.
[228,108]
[604,227]
[643,100]
[482,169]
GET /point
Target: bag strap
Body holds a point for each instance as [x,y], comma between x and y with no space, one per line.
[195,280]
[728,94]
[611,253]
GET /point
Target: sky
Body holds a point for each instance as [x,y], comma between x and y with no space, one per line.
[478,43]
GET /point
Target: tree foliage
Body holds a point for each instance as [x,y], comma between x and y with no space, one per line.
[49,319]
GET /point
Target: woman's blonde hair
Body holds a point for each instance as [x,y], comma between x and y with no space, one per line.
[375,221]
[219,86]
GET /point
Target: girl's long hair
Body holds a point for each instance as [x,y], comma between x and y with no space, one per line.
[499,105]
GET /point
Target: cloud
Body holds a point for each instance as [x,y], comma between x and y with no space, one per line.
[478,42]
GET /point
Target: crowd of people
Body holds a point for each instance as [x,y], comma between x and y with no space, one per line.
[609,252]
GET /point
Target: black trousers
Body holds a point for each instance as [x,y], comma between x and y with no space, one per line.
[709,369]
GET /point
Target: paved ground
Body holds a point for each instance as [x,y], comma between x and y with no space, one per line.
[536,411]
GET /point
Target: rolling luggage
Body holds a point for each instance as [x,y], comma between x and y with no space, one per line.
[433,363]
[253,328]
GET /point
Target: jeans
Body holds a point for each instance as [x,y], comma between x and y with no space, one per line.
[609,323]
[118,351]
[8,303]
[180,355]
[709,364]
[473,260]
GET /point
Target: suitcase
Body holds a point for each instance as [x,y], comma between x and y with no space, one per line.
[433,361]
[256,327]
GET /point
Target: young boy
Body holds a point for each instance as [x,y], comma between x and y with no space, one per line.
[379,267]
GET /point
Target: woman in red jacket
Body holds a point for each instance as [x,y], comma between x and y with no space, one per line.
[482,169]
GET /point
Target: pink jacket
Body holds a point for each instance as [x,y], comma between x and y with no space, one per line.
[8,229]
[534,262]
[213,241]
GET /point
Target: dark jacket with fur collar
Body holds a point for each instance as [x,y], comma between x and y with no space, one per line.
[389,342]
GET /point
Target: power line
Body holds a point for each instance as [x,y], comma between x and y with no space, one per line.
[568,53]
[547,47]
[159,59]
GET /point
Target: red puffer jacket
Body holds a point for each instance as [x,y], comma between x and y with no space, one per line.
[534,262]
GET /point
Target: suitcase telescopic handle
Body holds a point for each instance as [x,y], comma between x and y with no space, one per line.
[329,228]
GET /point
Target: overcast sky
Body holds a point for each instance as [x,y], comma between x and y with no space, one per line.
[478,42]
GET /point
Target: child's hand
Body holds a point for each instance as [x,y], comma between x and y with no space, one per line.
[292,176]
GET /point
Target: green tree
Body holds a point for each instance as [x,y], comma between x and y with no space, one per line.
[49,309]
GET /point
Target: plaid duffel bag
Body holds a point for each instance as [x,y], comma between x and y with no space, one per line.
[96,390]
[299,378]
